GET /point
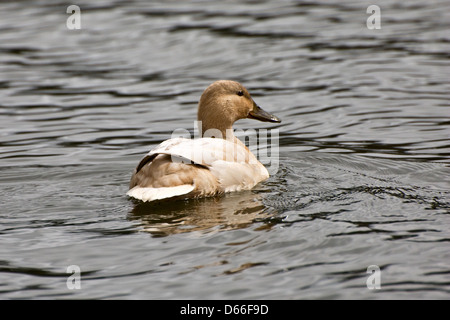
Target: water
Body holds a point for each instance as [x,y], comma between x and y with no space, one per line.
[364,150]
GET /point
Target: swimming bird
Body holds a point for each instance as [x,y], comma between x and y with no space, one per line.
[212,165]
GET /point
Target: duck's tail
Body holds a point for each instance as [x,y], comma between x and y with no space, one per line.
[152,194]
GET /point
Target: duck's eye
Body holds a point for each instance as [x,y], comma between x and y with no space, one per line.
[240,93]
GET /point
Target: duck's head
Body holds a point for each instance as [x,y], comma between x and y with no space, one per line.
[224,102]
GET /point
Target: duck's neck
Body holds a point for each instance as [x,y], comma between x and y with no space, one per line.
[217,131]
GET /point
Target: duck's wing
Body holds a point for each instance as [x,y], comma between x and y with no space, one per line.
[205,151]
[202,167]
[165,173]
[231,163]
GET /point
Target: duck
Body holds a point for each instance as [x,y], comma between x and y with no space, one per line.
[214,164]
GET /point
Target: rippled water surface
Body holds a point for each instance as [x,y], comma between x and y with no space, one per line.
[363,177]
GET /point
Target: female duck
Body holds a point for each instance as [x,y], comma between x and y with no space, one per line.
[212,165]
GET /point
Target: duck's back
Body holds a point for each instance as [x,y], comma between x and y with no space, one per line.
[194,168]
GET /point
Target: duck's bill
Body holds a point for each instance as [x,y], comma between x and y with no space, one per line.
[261,115]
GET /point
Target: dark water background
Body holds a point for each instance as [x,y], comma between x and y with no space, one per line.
[364,170]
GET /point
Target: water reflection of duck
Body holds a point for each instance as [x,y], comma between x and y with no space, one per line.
[232,211]
[208,166]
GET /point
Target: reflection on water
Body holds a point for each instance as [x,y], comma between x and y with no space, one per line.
[231,211]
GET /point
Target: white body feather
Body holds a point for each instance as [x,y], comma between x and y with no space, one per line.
[234,166]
